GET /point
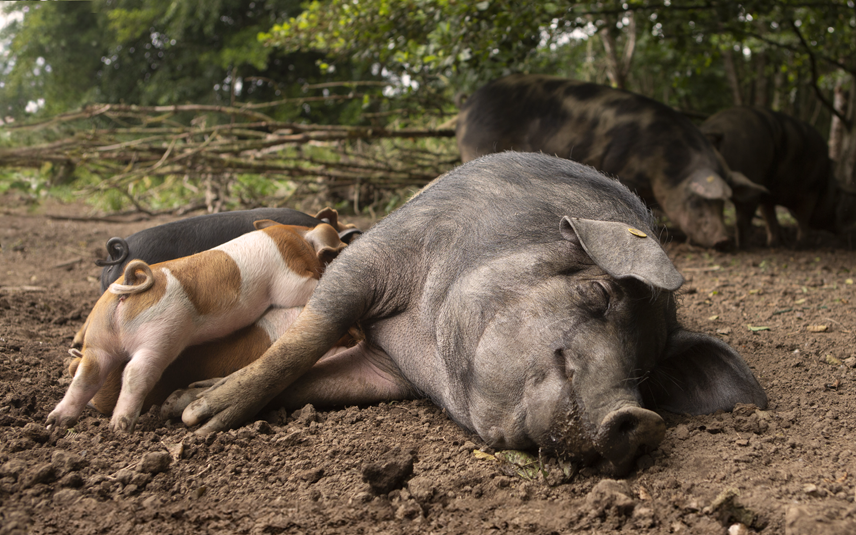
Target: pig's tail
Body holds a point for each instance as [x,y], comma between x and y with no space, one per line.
[136,284]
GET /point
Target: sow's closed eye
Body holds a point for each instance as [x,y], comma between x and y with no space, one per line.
[597,297]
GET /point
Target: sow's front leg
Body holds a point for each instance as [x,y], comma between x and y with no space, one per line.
[353,287]
[360,375]
[238,397]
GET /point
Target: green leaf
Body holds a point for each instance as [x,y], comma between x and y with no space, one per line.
[524,464]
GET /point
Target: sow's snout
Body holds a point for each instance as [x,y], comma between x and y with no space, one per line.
[625,434]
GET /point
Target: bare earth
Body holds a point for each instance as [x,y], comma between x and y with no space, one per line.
[788,469]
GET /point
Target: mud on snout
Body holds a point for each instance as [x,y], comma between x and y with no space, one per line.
[613,445]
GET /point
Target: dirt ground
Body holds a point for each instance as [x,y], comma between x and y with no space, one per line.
[788,469]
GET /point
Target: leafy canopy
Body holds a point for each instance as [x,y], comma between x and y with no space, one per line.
[153,52]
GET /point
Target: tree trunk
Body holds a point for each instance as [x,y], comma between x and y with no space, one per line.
[617,68]
[731,74]
[778,79]
[846,163]
[760,97]
[836,129]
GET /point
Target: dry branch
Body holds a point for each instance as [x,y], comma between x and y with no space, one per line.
[125,143]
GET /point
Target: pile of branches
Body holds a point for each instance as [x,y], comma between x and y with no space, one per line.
[208,144]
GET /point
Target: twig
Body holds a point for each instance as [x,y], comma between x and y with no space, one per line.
[713,268]
[162,141]
[80,218]
[67,264]
[10,289]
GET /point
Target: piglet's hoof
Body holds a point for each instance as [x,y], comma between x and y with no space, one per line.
[122,424]
[58,423]
[180,399]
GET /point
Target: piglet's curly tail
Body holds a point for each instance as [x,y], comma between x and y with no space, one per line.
[138,278]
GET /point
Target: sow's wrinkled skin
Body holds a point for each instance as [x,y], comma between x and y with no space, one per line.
[196,234]
[789,158]
[650,147]
[524,294]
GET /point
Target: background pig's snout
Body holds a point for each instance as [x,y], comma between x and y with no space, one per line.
[626,433]
[723,245]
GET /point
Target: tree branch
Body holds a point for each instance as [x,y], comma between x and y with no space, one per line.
[174,141]
[814,78]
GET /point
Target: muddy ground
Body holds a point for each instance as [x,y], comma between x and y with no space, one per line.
[788,469]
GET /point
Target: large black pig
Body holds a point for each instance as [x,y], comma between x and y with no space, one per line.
[526,295]
[196,234]
[653,149]
[789,158]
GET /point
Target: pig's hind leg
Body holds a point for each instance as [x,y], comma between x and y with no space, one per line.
[744,212]
[140,376]
[92,370]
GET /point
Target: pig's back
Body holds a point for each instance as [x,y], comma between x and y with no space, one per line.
[411,258]
[618,132]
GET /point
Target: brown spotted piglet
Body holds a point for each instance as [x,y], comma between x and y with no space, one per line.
[150,315]
[205,362]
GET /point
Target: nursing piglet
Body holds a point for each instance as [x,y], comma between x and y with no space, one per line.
[204,362]
[147,318]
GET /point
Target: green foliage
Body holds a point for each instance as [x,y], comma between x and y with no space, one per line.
[421,43]
[34,185]
[167,52]
[156,52]
[435,48]
[73,48]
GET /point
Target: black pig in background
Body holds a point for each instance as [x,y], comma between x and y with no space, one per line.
[790,159]
[653,149]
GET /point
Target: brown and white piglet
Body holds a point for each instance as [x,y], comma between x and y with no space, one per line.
[210,360]
[148,317]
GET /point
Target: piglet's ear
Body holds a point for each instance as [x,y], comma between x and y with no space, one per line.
[623,251]
[329,216]
[699,374]
[349,235]
[264,223]
[325,240]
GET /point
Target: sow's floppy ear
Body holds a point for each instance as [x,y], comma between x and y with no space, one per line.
[699,374]
[623,251]
[708,185]
[745,190]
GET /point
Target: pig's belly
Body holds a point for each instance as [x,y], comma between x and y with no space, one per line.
[411,345]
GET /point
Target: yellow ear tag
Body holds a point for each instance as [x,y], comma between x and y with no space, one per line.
[637,233]
[711,178]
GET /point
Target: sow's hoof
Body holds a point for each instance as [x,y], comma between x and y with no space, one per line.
[180,399]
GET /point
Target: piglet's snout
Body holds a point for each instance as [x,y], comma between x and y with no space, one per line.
[626,433]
